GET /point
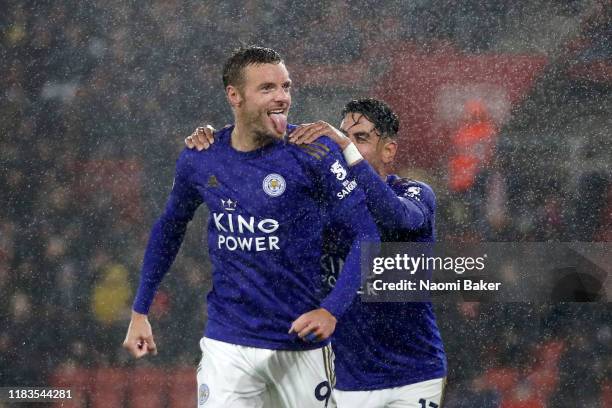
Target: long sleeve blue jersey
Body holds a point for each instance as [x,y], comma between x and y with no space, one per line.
[386,345]
[266,210]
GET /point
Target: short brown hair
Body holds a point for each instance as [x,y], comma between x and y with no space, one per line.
[244,56]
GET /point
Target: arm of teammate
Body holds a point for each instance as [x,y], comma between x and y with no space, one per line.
[409,211]
[164,243]
[388,209]
[349,203]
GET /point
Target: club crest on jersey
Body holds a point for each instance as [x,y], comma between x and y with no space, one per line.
[229,205]
[274,185]
[338,170]
[203,394]
[413,192]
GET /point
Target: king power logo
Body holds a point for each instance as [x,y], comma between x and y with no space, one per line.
[237,232]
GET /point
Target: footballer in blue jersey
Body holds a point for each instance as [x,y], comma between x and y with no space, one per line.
[387,354]
[267,201]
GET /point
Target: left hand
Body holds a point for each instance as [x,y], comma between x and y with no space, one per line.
[318,323]
[309,132]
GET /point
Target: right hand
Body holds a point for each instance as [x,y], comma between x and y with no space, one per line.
[139,339]
[316,325]
[309,132]
[201,138]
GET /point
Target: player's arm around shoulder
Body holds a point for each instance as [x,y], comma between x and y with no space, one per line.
[311,132]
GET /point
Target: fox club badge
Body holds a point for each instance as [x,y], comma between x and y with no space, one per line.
[203,394]
[274,185]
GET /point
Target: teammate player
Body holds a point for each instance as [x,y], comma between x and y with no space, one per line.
[387,354]
[265,199]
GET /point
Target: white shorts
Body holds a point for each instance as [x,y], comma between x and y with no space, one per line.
[426,394]
[231,376]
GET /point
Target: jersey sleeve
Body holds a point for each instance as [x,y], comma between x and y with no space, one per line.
[409,206]
[342,198]
[167,234]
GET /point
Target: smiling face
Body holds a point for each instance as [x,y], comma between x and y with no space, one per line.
[262,100]
[376,149]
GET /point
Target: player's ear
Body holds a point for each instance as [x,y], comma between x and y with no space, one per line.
[389,151]
[233,96]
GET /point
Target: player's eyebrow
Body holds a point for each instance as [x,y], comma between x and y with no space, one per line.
[265,85]
[363,134]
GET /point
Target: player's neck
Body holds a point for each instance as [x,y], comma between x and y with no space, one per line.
[382,171]
[246,140]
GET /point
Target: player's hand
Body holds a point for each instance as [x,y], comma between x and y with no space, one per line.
[201,138]
[139,339]
[309,132]
[316,325]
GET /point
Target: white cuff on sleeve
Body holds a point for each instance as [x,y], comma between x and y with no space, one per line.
[351,154]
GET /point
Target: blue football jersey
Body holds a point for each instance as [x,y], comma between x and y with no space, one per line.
[386,345]
[264,235]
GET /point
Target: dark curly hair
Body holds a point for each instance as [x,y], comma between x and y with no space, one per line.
[233,68]
[376,111]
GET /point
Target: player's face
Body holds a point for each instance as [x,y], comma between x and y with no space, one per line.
[264,99]
[378,151]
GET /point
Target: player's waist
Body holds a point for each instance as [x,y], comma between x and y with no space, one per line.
[272,340]
[268,318]
[268,294]
[372,381]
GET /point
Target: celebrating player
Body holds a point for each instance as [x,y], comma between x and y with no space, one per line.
[387,354]
[265,200]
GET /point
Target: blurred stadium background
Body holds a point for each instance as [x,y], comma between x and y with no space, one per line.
[96,98]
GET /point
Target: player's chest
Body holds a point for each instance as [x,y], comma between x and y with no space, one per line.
[251,188]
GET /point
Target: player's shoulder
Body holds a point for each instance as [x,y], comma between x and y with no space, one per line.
[221,137]
[189,159]
[186,161]
[321,150]
[410,188]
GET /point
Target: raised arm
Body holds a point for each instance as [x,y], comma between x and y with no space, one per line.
[409,210]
